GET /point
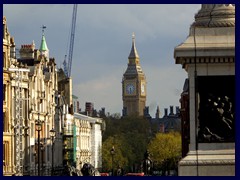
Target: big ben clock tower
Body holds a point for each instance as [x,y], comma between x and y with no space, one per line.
[133,85]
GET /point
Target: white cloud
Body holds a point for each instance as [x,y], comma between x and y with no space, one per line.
[163,87]
[103,91]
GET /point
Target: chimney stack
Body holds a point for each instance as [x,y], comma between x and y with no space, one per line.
[165,111]
[177,110]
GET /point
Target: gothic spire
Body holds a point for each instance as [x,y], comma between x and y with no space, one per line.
[157,113]
[133,53]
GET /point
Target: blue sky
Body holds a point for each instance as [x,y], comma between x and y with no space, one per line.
[103,40]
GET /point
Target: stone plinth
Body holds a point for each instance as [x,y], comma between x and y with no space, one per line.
[208,163]
[208,56]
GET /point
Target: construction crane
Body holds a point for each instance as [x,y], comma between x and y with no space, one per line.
[68,64]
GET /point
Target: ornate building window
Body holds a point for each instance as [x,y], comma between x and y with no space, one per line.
[5,122]
[6,153]
[48,131]
[4,92]
[4,31]
[4,60]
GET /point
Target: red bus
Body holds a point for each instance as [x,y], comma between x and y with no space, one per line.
[104,174]
[134,174]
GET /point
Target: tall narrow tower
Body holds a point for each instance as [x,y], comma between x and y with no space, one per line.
[43,47]
[133,85]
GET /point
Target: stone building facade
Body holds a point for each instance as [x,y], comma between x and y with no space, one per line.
[36,92]
[42,106]
[8,132]
[30,91]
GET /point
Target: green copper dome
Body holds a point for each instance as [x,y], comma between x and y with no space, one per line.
[43,46]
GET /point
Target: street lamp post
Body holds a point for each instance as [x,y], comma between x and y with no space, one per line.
[52,134]
[38,126]
[42,149]
[112,151]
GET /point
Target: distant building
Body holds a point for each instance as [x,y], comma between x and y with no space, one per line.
[76,104]
[88,140]
[169,122]
[65,89]
[89,108]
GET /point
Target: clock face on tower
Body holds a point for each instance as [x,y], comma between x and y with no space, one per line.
[130,88]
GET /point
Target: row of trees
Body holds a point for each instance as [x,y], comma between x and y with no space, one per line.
[131,137]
